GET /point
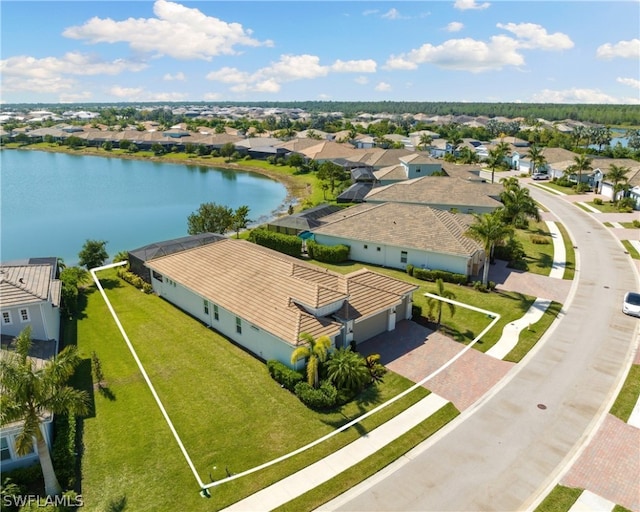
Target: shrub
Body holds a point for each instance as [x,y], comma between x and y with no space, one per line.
[284,375]
[63,451]
[636,223]
[416,310]
[582,187]
[433,275]
[597,201]
[626,205]
[409,269]
[147,288]
[133,279]
[539,240]
[327,253]
[287,244]
[477,285]
[323,397]
[492,286]
[564,182]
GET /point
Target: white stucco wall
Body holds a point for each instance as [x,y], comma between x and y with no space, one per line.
[390,256]
[44,320]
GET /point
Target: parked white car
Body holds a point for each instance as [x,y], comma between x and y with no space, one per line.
[540,176]
[631,304]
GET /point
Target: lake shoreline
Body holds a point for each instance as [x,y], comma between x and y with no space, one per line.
[296,192]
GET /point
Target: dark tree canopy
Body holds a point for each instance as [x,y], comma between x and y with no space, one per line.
[210,218]
[93,254]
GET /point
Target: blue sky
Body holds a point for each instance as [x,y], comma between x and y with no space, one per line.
[462,50]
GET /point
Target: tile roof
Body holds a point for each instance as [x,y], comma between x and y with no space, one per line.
[270,289]
[439,190]
[28,284]
[403,225]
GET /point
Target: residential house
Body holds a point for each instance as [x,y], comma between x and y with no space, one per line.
[409,166]
[303,221]
[558,161]
[263,300]
[441,192]
[396,235]
[29,297]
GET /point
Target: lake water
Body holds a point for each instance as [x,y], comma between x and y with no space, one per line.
[51,203]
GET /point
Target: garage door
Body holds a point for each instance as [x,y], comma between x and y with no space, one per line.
[368,328]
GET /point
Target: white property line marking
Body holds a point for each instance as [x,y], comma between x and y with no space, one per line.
[142,370]
[495,316]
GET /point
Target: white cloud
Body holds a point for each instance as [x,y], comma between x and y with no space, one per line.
[393,14]
[464,5]
[354,66]
[288,69]
[212,96]
[622,49]
[178,76]
[531,35]
[361,80]
[75,97]
[631,82]
[369,12]
[228,76]
[176,31]
[383,87]
[126,92]
[454,26]
[478,56]
[463,54]
[164,96]
[576,95]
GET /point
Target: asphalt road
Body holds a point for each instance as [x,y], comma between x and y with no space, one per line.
[508,450]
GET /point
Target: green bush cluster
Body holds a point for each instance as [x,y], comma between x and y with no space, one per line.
[626,205]
[63,451]
[416,310]
[636,223]
[477,285]
[287,244]
[321,398]
[134,280]
[409,269]
[327,253]
[432,275]
[284,375]
[597,200]
[563,182]
[539,240]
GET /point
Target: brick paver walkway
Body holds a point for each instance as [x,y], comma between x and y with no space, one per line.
[415,351]
[610,466]
[530,284]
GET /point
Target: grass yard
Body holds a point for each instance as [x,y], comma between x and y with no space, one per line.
[465,325]
[628,396]
[605,207]
[560,499]
[229,413]
[539,256]
[631,249]
[631,225]
[558,188]
[570,256]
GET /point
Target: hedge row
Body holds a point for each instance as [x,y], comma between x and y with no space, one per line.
[323,397]
[287,244]
[433,275]
[134,280]
[63,451]
[284,375]
[327,253]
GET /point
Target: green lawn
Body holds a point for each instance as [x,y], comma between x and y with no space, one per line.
[630,225]
[227,410]
[631,249]
[539,257]
[465,324]
[560,499]
[550,184]
[570,256]
[605,207]
[628,396]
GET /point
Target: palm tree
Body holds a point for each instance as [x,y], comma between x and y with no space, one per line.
[315,352]
[537,159]
[582,163]
[617,176]
[425,141]
[347,370]
[432,302]
[518,205]
[30,392]
[490,230]
[495,159]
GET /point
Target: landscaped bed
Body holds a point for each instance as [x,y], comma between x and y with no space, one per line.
[229,413]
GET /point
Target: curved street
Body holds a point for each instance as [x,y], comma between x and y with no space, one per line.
[508,450]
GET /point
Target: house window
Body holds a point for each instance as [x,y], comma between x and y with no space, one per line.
[5,453]
[206,307]
[378,249]
[417,170]
[366,246]
[238,325]
[216,314]
[6,318]
[24,315]
[403,257]
[157,275]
